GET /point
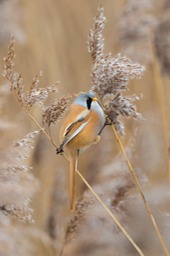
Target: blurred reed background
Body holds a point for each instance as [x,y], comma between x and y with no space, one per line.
[51,35]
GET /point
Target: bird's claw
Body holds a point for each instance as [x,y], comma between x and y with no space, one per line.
[59,150]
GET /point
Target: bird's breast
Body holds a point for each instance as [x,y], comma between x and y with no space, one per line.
[94,121]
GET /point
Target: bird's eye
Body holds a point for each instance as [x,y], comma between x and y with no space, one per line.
[89,101]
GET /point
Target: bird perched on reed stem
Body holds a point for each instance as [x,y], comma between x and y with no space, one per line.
[81,127]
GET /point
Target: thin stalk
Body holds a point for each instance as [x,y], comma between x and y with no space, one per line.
[41,128]
[111,215]
[138,185]
[35,121]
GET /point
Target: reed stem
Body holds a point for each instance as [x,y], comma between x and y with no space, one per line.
[138,185]
[111,215]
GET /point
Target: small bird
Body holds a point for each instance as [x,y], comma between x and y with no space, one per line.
[81,127]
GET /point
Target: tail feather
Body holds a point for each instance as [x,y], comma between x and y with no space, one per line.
[73,167]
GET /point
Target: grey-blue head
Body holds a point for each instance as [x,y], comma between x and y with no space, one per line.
[85,99]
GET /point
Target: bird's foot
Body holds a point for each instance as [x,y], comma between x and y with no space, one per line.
[60,150]
[108,121]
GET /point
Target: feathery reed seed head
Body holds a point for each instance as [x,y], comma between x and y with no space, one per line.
[34,95]
[56,110]
[17,184]
[95,40]
[110,76]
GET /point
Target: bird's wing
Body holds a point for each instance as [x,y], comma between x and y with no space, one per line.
[76,125]
[69,136]
[72,130]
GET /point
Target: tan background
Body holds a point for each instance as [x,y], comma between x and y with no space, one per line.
[51,35]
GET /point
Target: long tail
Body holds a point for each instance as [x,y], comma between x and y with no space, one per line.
[73,167]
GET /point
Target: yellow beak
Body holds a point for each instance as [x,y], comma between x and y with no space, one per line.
[94,99]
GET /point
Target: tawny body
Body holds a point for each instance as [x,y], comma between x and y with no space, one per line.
[80,128]
[87,135]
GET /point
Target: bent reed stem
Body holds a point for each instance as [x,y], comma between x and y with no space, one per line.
[111,214]
[138,185]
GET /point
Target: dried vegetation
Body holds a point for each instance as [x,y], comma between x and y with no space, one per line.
[89,230]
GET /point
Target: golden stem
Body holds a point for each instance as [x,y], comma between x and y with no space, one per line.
[35,121]
[138,185]
[111,215]
[41,128]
